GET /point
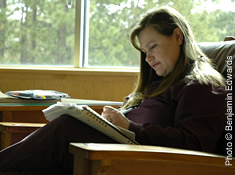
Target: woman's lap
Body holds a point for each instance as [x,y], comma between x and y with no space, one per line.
[47,148]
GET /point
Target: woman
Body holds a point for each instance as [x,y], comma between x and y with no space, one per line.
[178,102]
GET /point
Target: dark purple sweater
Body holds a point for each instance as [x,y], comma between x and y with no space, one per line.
[189,116]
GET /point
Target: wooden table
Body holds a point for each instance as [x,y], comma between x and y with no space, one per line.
[17,120]
[22,113]
[32,112]
[28,113]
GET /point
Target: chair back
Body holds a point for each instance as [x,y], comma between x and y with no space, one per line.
[223,56]
[222,53]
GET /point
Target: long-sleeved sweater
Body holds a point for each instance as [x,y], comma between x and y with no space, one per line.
[186,115]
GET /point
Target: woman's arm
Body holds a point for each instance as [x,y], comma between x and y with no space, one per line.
[199,119]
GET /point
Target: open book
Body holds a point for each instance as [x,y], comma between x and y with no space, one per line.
[87,115]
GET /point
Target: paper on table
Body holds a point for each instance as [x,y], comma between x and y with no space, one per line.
[6,99]
[2,95]
[90,102]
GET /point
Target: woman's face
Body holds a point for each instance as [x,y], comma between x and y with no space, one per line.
[162,52]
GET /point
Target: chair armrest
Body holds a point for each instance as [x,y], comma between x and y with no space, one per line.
[138,159]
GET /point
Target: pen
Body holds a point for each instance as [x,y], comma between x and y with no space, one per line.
[128,109]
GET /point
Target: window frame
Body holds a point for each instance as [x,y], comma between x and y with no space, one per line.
[79,33]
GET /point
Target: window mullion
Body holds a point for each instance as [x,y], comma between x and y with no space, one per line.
[79,33]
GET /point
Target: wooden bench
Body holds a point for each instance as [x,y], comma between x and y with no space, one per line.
[12,132]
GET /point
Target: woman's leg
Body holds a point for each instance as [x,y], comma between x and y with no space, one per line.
[47,148]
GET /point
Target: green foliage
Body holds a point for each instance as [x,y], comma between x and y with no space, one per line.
[36,32]
[111,22]
[42,32]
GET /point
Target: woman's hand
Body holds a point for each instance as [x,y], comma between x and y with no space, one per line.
[115,117]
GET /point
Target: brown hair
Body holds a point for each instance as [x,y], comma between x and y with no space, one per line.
[191,65]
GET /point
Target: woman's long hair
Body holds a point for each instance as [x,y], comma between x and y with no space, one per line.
[192,64]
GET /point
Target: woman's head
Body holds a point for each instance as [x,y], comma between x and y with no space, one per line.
[164,20]
[168,26]
[182,58]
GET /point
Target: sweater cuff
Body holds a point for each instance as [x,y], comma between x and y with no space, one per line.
[135,127]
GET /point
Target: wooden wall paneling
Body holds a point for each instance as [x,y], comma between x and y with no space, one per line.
[97,85]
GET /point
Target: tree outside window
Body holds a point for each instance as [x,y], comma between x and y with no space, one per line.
[42,32]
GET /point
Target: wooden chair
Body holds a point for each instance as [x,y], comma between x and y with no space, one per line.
[121,159]
[118,159]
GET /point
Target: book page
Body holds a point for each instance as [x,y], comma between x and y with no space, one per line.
[87,115]
[126,132]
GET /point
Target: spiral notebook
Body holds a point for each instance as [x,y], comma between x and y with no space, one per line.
[87,115]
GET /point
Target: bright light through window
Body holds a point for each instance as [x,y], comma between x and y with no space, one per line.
[36,32]
[110,23]
[43,32]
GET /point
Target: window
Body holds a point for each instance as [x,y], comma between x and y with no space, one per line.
[110,22]
[51,32]
[36,32]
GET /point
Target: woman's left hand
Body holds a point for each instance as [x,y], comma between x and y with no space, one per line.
[115,117]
